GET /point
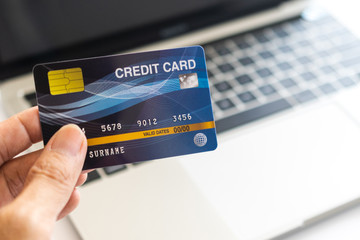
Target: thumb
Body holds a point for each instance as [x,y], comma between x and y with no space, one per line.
[52,178]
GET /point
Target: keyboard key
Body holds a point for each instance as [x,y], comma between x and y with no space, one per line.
[327,20]
[226,67]
[208,58]
[284,66]
[210,74]
[304,60]
[246,61]
[266,54]
[344,48]
[223,86]
[304,43]
[298,25]
[260,36]
[327,88]
[244,79]
[351,54]
[225,104]
[31,98]
[92,176]
[248,116]
[267,90]
[324,54]
[246,97]
[280,32]
[345,35]
[264,72]
[139,163]
[346,82]
[304,96]
[351,62]
[222,50]
[308,76]
[285,49]
[241,43]
[327,69]
[288,83]
[114,169]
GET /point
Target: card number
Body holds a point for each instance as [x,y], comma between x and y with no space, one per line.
[146,122]
[181,117]
[111,127]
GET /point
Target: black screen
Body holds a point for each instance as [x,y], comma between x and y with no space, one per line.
[31,27]
[43,30]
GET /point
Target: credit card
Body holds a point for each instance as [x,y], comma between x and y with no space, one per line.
[131,107]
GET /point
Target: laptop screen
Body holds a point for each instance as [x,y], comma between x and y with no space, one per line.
[40,30]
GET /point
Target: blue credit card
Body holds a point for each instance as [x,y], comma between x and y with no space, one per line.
[132,107]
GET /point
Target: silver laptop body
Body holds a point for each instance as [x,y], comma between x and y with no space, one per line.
[288,139]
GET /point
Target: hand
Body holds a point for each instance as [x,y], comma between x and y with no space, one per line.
[38,188]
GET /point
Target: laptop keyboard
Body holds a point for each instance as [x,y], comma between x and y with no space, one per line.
[259,73]
[275,68]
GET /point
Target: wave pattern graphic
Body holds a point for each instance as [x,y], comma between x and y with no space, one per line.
[109,95]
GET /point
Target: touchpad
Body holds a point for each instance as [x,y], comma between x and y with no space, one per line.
[281,171]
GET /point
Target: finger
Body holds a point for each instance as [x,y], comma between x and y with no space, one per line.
[87,171]
[14,173]
[18,133]
[81,180]
[70,205]
[74,199]
[52,178]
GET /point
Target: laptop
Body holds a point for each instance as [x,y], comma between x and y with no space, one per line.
[284,85]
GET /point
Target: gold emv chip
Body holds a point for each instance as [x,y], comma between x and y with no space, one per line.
[66,81]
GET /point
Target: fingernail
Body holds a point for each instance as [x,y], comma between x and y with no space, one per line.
[68,140]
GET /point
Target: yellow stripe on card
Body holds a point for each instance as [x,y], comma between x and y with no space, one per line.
[150,133]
